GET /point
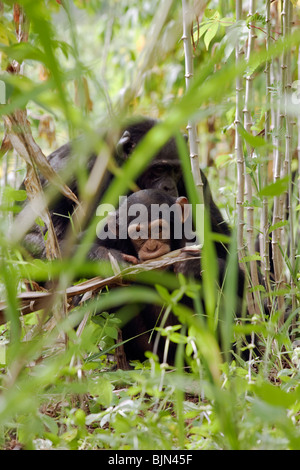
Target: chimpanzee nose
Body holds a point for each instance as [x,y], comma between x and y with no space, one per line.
[152,245]
[170,189]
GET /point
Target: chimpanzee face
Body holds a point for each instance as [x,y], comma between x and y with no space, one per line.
[152,232]
[161,175]
[164,172]
[148,224]
[150,240]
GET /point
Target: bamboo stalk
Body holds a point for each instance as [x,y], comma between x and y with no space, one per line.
[248,179]
[288,9]
[240,160]
[277,210]
[189,73]
[265,242]
[298,147]
[239,146]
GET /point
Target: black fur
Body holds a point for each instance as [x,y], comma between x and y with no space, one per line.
[164,173]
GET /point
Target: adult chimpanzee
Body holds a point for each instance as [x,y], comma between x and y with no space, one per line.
[147,225]
[163,173]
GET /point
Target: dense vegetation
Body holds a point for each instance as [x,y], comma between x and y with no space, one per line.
[79,69]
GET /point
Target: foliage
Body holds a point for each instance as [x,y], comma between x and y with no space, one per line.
[89,63]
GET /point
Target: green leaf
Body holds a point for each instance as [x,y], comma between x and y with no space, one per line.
[275,396]
[253,140]
[210,34]
[284,223]
[204,28]
[10,194]
[275,189]
[23,51]
[102,389]
[164,293]
[111,332]
[246,259]
[178,338]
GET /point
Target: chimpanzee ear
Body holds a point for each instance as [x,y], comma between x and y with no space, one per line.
[124,145]
[183,204]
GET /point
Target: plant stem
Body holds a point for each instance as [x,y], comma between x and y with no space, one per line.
[278,205]
[298,147]
[288,10]
[248,178]
[265,242]
[189,73]
[239,146]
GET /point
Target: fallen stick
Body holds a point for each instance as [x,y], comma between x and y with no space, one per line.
[36,300]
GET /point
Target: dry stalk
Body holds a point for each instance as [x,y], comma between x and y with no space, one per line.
[18,132]
[37,300]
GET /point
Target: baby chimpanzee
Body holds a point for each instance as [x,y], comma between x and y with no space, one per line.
[147,225]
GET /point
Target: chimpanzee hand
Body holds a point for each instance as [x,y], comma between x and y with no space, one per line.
[130,259]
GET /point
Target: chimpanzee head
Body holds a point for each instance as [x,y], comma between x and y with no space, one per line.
[153,223]
[164,172]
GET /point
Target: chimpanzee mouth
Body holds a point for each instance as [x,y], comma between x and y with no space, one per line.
[163,250]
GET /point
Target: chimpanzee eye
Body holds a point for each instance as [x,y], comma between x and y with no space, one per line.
[176,174]
[138,231]
[157,171]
